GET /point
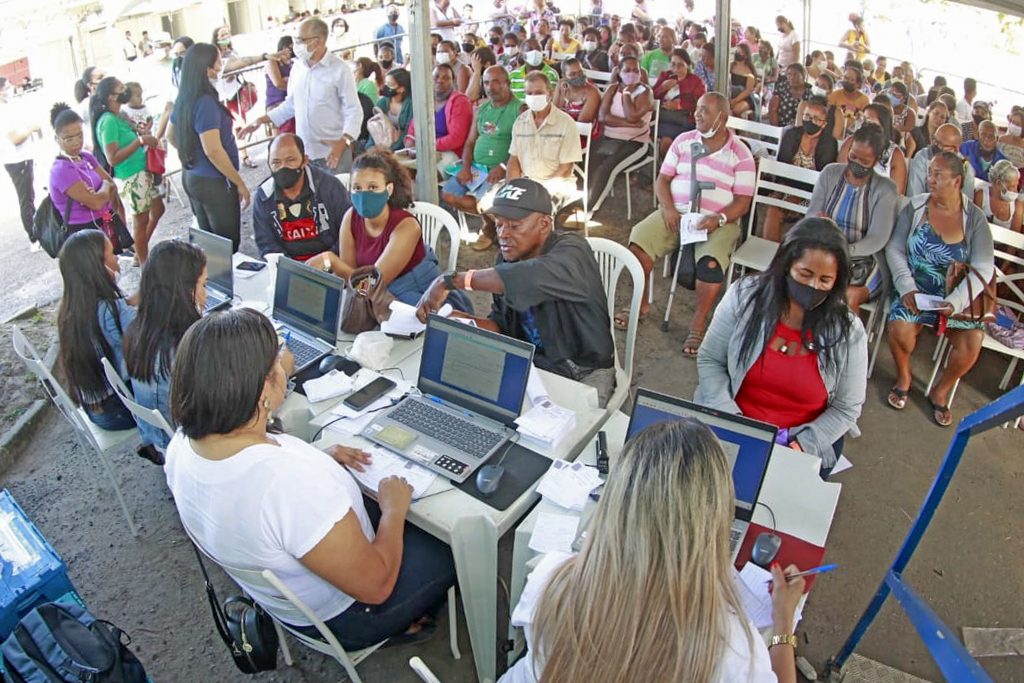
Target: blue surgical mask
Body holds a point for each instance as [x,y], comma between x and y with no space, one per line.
[895,99]
[369,204]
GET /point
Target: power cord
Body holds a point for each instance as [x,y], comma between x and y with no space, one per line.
[765,506]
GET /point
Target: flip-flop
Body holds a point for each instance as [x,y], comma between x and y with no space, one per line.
[941,414]
[621,319]
[691,345]
[249,163]
[897,398]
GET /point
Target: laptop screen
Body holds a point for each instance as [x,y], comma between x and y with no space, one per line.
[307,299]
[218,258]
[747,443]
[481,371]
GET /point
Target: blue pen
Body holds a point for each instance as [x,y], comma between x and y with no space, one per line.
[823,569]
[287,337]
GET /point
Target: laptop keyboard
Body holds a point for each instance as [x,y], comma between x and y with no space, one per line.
[304,353]
[213,300]
[735,536]
[446,428]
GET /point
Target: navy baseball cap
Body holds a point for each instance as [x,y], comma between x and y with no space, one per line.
[520,197]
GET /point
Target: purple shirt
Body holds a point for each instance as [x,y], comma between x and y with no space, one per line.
[64,174]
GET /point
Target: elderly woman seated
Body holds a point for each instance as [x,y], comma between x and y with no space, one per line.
[999,200]
[941,258]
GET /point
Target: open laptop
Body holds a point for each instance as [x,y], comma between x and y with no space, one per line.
[472,383]
[748,444]
[220,283]
[307,306]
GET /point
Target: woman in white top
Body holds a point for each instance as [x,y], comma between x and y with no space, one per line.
[254,500]
[652,589]
[999,198]
[788,51]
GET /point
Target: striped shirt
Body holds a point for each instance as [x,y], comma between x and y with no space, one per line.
[731,169]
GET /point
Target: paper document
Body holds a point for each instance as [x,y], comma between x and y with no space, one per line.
[546,422]
[688,231]
[553,533]
[386,464]
[928,302]
[535,388]
[333,384]
[403,321]
[842,465]
[568,484]
[752,585]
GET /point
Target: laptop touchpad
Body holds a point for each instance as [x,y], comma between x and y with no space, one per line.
[396,437]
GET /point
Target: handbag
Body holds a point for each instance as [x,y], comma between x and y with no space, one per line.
[245,628]
[49,228]
[983,300]
[156,160]
[116,231]
[365,302]
[382,131]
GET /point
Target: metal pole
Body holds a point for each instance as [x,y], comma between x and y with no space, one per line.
[805,44]
[723,44]
[423,100]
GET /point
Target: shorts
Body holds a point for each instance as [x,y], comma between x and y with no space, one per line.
[137,192]
[651,236]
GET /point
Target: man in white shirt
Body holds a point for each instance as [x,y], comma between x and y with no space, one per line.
[965,107]
[129,50]
[322,99]
[16,154]
[444,18]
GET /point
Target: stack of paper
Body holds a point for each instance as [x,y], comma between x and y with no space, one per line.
[546,423]
[553,533]
[384,464]
[568,484]
[354,421]
[752,586]
[688,230]
[333,384]
[403,321]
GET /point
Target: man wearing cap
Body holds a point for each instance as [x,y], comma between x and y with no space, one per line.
[546,289]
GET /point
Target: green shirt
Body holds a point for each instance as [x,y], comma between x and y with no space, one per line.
[112,128]
[654,62]
[368,88]
[494,132]
[517,80]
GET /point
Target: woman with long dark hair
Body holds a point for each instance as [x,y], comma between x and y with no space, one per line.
[201,131]
[92,316]
[784,348]
[172,294]
[396,103]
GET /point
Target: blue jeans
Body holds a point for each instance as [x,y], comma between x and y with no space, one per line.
[453,186]
[426,574]
[110,414]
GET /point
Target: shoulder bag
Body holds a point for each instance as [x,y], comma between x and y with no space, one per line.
[983,299]
[366,302]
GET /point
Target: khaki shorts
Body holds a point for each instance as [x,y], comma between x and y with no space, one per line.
[651,236]
[137,192]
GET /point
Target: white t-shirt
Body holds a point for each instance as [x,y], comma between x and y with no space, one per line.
[265,507]
[739,663]
[139,116]
[785,49]
[964,110]
[439,15]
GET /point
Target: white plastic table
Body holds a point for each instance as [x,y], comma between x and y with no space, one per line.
[803,504]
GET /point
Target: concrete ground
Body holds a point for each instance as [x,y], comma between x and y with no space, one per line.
[968,565]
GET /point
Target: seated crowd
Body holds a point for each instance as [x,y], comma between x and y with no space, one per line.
[897,206]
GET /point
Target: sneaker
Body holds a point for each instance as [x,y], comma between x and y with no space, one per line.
[150,453]
[35,248]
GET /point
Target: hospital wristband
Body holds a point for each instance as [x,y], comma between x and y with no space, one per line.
[467,280]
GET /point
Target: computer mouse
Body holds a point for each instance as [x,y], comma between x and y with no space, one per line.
[346,365]
[766,547]
[488,478]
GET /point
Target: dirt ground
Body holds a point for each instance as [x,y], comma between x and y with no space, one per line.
[968,565]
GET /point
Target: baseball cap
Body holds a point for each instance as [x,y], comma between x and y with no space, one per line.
[520,197]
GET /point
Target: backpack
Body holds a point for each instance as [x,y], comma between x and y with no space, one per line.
[49,227]
[58,643]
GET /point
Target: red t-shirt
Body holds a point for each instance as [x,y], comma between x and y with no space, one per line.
[369,249]
[783,390]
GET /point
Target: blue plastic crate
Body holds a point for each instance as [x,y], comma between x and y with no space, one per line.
[32,572]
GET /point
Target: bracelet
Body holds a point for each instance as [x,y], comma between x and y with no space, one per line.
[787,639]
[467,280]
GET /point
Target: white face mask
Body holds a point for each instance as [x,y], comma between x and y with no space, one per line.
[1013,129]
[301,51]
[534,57]
[710,133]
[511,50]
[536,102]
[589,45]
[1008,196]
[443,58]
[819,91]
[114,274]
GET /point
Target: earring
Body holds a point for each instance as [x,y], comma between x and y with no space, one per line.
[266,404]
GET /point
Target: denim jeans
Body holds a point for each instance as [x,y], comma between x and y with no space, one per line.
[110,414]
[426,574]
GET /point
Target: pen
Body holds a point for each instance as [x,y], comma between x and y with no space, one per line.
[823,569]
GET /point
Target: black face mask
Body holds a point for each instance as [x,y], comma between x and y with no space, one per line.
[124,97]
[811,128]
[393,18]
[858,170]
[176,63]
[979,119]
[386,64]
[468,47]
[849,87]
[388,92]
[805,296]
[286,178]
[495,40]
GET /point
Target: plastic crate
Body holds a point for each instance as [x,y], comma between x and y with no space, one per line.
[32,572]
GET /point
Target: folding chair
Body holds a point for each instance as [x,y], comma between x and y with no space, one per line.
[756,252]
[652,157]
[345,178]
[612,258]
[148,415]
[434,220]
[89,436]
[762,138]
[422,670]
[582,170]
[600,79]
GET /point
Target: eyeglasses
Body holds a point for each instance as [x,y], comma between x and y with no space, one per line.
[305,41]
[71,138]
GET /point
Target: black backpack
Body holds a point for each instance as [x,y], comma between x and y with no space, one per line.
[49,227]
[58,643]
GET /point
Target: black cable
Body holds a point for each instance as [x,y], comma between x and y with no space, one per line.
[765,506]
[400,373]
[320,431]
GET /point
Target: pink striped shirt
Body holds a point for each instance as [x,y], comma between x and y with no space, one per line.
[731,169]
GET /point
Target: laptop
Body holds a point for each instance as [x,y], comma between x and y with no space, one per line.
[747,443]
[307,306]
[220,283]
[472,383]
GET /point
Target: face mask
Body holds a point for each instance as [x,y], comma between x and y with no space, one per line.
[1008,196]
[511,50]
[393,18]
[215,82]
[286,178]
[895,99]
[225,42]
[115,275]
[1013,129]
[577,81]
[630,77]
[124,97]
[805,296]
[818,91]
[369,204]
[978,118]
[534,57]
[468,47]
[495,40]
[710,133]
[849,87]
[858,170]
[301,51]
[176,63]
[536,102]
[811,128]
[590,45]
[388,92]
[443,58]
[386,64]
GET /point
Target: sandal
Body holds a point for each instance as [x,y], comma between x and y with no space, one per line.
[897,398]
[249,163]
[942,415]
[621,319]
[691,345]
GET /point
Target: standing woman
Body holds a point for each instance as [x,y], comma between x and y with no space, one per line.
[122,150]
[237,94]
[172,295]
[277,76]
[396,104]
[789,44]
[201,131]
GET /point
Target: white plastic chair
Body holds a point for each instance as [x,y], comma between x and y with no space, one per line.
[433,221]
[148,415]
[102,441]
[345,178]
[600,79]
[756,252]
[422,670]
[762,138]
[612,258]
[582,170]
[652,157]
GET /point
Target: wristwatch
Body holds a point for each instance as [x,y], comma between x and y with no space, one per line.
[449,281]
[787,639]
[722,219]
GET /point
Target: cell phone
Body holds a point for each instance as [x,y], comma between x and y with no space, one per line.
[254,266]
[358,400]
[602,453]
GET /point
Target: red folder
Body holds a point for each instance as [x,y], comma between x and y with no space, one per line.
[793,551]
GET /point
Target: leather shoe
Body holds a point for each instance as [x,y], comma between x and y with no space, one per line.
[150,453]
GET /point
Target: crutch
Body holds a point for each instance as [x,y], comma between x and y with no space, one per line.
[697,152]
